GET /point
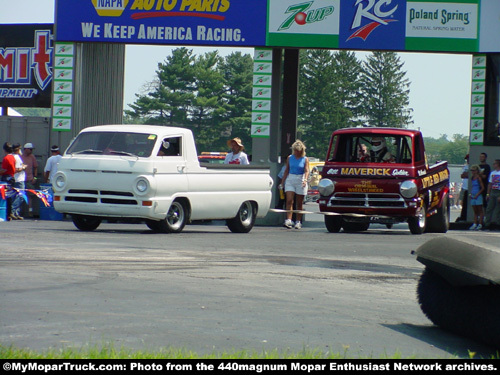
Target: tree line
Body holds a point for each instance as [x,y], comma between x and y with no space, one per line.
[212,95]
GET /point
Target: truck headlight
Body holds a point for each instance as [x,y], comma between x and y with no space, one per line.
[59,182]
[408,189]
[141,186]
[326,187]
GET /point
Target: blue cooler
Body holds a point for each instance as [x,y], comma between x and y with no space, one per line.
[49,213]
[3,206]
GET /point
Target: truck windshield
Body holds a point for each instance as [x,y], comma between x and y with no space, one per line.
[371,148]
[113,143]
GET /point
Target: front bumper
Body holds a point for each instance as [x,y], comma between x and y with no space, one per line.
[370,204]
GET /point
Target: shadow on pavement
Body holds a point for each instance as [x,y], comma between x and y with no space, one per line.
[449,342]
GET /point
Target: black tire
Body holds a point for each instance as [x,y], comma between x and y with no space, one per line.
[244,220]
[417,224]
[470,311]
[153,225]
[86,223]
[333,223]
[177,217]
[440,221]
[355,227]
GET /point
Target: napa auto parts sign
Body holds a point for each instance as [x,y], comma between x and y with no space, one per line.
[184,22]
[26,55]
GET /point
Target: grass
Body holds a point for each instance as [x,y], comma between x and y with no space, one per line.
[108,351]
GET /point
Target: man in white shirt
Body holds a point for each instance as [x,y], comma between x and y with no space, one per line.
[52,162]
[236,156]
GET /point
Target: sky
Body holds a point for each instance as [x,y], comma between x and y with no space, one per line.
[439,90]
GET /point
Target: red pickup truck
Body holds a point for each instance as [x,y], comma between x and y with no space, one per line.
[381,175]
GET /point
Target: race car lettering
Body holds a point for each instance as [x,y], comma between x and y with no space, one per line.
[365,171]
[435,178]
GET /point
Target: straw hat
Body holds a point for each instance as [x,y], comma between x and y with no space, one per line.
[237,140]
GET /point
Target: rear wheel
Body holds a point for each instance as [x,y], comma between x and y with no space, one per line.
[417,224]
[86,223]
[244,220]
[333,223]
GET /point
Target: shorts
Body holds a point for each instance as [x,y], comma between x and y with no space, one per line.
[294,183]
[476,202]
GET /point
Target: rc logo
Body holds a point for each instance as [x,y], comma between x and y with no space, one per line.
[373,11]
[110,8]
[373,24]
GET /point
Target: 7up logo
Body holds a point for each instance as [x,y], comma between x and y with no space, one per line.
[302,15]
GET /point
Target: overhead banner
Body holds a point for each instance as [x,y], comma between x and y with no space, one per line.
[184,22]
[26,55]
[399,25]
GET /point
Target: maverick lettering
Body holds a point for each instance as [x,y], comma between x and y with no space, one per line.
[365,171]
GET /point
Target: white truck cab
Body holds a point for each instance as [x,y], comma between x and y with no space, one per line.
[152,173]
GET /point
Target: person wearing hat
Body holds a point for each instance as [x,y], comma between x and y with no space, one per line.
[236,156]
[31,170]
[52,162]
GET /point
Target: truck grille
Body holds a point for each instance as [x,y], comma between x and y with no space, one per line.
[367,200]
[102,196]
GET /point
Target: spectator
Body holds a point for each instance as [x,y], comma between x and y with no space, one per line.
[236,156]
[476,197]
[7,172]
[465,190]
[484,173]
[492,217]
[52,162]
[20,178]
[295,179]
[31,171]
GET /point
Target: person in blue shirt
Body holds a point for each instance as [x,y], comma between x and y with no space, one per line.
[295,182]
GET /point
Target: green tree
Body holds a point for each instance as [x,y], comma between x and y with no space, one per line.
[237,70]
[171,93]
[385,91]
[208,106]
[329,96]
[442,148]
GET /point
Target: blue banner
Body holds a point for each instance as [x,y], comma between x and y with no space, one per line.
[372,24]
[169,22]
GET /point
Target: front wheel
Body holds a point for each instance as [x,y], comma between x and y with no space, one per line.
[174,222]
[333,223]
[86,223]
[417,223]
[440,221]
[244,220]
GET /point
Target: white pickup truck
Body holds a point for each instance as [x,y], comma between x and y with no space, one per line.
[152,173]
